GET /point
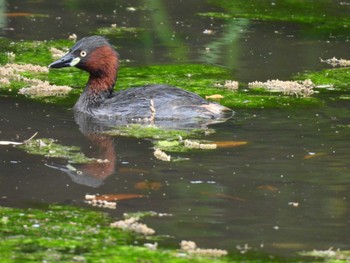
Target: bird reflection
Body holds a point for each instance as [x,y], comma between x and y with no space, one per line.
[93,174]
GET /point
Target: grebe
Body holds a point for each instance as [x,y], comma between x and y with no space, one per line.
[96,56]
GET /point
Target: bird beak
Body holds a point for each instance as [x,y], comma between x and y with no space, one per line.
[68,60]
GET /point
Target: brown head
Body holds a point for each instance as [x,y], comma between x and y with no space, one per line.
[95,55]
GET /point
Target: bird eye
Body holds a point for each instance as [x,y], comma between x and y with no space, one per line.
[83,53]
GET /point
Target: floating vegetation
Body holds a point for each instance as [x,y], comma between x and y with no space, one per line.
[108,200]
[330,255]
[102,204]
[11,72]
[57,53]
[293,204]
[132,224]
[229,84]
[160,155]
[44,89]
[169,145]
[69,234]
[191,248]
[199,145]
[117,30]
[73,37]
[11,68]
[198,78]
[117,197]
[50,149]
[337,62]
[188,144]
[172,140]
[143,214]
[329,79]
[304,12]
[303,88]
[151,132]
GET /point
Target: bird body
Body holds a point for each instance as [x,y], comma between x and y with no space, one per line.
[99,100]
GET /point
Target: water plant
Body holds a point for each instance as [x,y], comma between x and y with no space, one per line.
[68,234]
[198,78]
[51,149]
[331,79]
[318,17]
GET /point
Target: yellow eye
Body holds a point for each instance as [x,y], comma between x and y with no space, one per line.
[83,53]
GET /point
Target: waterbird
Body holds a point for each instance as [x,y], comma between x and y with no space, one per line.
[95,55]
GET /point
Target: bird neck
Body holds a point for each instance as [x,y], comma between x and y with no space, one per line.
[97,90]
[103,68]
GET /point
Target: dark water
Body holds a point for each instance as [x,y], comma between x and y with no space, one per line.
[224,198]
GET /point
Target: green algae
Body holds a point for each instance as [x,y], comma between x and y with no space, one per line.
[63,232]
[170,146]
[57,233]
[329,255]
[152,132]
[198,78]
[322,16]
[68,234]
[116,31]
[51,149]
[201,79]
[338,78]
[164,139]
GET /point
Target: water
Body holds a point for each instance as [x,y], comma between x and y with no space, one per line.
[287,190]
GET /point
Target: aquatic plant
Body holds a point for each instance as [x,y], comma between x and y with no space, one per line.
[12,72]
[329,255]
[132,224]
[67,234]
[229,84]
[57,53]
[202,79]
[337,62]
[93,201]
[328,79]
[195,144]
[303,88]
[117,31]
[44,89]
[303,12]
[160,155]
[152,132]
[51,149]
[191,248]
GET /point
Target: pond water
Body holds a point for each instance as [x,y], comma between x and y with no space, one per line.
[287,190]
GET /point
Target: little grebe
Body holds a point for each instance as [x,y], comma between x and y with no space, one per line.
[96,56]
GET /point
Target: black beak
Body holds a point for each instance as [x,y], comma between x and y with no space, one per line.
[65,61]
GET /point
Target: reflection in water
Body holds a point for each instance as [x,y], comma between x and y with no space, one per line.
[227,43]
[3,20]
[93,174]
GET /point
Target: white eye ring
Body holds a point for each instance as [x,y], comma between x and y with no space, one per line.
[83,53]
